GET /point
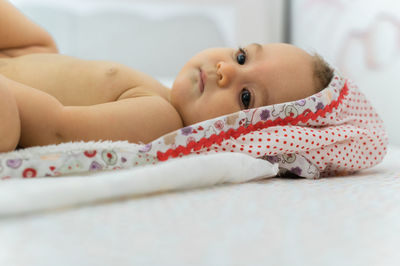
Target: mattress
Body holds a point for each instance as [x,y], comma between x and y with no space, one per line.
[348,220]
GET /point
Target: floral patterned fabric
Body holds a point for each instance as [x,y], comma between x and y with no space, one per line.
[333,132]
[71,158]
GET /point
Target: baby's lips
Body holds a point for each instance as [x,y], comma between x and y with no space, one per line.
[202,80]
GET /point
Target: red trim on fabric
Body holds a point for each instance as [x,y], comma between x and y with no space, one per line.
[235,133]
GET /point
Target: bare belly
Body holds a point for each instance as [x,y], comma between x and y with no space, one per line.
[79,82]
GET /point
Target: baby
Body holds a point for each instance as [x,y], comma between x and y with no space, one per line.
[48,98]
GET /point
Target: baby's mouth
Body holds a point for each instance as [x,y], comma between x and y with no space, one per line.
[202,80]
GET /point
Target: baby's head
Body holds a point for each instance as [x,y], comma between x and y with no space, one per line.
[220,81]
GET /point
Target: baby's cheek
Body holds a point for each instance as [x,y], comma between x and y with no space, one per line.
[218,108]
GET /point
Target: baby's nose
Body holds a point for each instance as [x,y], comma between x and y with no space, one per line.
[225,74]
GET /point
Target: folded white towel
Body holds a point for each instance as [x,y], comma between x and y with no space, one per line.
[32,195]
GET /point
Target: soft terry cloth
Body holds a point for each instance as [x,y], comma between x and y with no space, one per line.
[72,158]
[22,196]
[333,132]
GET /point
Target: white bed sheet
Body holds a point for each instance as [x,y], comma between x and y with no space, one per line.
[351,220]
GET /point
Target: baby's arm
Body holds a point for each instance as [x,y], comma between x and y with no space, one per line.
[9,120]
[19,35]
[141,119]
[44,120]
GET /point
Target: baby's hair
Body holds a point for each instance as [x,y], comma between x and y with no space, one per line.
[323,72]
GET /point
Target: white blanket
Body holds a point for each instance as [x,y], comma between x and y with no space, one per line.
[20,196]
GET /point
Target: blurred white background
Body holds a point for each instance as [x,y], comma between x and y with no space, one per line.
[154,36]
[360,37]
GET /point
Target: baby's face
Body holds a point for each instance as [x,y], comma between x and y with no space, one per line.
[220,81]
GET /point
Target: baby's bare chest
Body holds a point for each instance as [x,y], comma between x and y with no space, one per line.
[78,82]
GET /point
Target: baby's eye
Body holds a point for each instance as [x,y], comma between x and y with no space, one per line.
[241,56]
[245,98]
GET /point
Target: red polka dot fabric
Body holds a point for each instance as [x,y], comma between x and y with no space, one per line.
[334,132]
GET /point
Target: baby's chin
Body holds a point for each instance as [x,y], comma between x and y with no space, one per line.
[176,93]
[182,83]
[177,86]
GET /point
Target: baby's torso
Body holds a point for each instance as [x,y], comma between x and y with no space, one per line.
[80,82]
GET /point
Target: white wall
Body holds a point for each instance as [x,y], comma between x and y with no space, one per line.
[361,38]
[154,36]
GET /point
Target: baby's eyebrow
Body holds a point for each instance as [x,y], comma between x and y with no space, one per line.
[263,93]
[258,47]
[264,97]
